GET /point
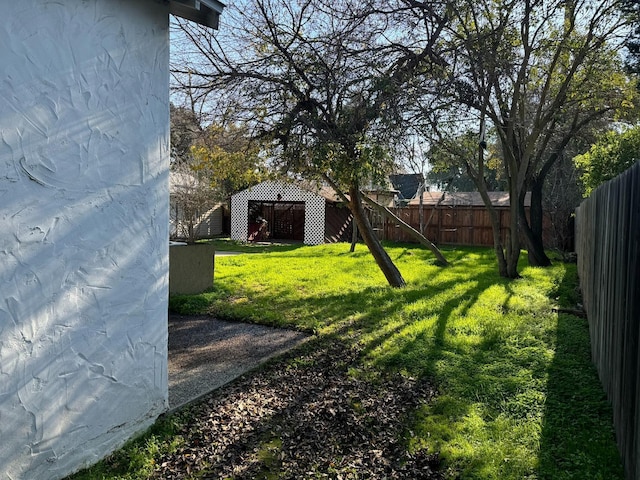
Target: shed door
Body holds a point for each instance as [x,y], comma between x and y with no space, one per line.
[288,221]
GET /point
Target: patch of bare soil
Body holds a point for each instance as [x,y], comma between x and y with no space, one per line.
[305,416]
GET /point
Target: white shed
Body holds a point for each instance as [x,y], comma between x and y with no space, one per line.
[287,211]
[304,210]
[84,166]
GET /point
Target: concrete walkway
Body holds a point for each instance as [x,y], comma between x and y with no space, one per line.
[206,353]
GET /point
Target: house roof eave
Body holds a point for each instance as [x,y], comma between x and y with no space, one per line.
[203,12]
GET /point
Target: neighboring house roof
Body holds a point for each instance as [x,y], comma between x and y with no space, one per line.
[204,12]
[407,184]
[466,199]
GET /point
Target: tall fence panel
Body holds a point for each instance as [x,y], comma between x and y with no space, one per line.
[608,249]
[452,225]
[460,225]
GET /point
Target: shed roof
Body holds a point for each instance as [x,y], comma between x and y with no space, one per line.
[322,189]
[317,188]
[330,194]
[467,199]
[204,12]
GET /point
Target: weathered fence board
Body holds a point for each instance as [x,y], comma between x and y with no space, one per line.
[608,248]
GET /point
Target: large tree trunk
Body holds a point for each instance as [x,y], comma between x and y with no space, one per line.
[421,207]
[495,228]
[390,271]
[407,229]
[532,227]
[498,247]
[513,242]
[478,180]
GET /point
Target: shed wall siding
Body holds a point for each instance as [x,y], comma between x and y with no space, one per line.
[84,210]
[269,191]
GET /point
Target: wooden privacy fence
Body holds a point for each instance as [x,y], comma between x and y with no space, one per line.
[459,225]
[608,249]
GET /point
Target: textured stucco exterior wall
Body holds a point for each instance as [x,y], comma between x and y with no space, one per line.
[84,241]
[314,205]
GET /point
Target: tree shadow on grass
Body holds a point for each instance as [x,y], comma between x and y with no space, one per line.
[577,439]
[462,358]
[503,382]
[492,361]
[301,416]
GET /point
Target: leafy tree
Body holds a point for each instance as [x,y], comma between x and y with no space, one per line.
[208,165]
[228,158]
[611,155]
[632,8]
[325,84]
[537,72]
[223,154]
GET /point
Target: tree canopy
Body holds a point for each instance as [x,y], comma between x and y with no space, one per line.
[611,155]
[229,159]
[537,72]
[632,8]
[185,131]
[223,155]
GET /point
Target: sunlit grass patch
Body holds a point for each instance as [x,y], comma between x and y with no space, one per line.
[509,370]
[137,459]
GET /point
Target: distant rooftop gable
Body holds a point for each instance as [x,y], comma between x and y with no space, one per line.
[204,12]
[467,199]
[407,184]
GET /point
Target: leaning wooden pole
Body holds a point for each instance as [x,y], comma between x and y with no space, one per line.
[406,228]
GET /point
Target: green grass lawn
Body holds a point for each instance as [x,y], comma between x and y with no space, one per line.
[518,396]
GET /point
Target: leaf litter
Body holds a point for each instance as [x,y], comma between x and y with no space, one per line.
[306,416]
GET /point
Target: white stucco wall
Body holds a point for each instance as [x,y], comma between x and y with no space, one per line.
[268,191]
[84,214]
